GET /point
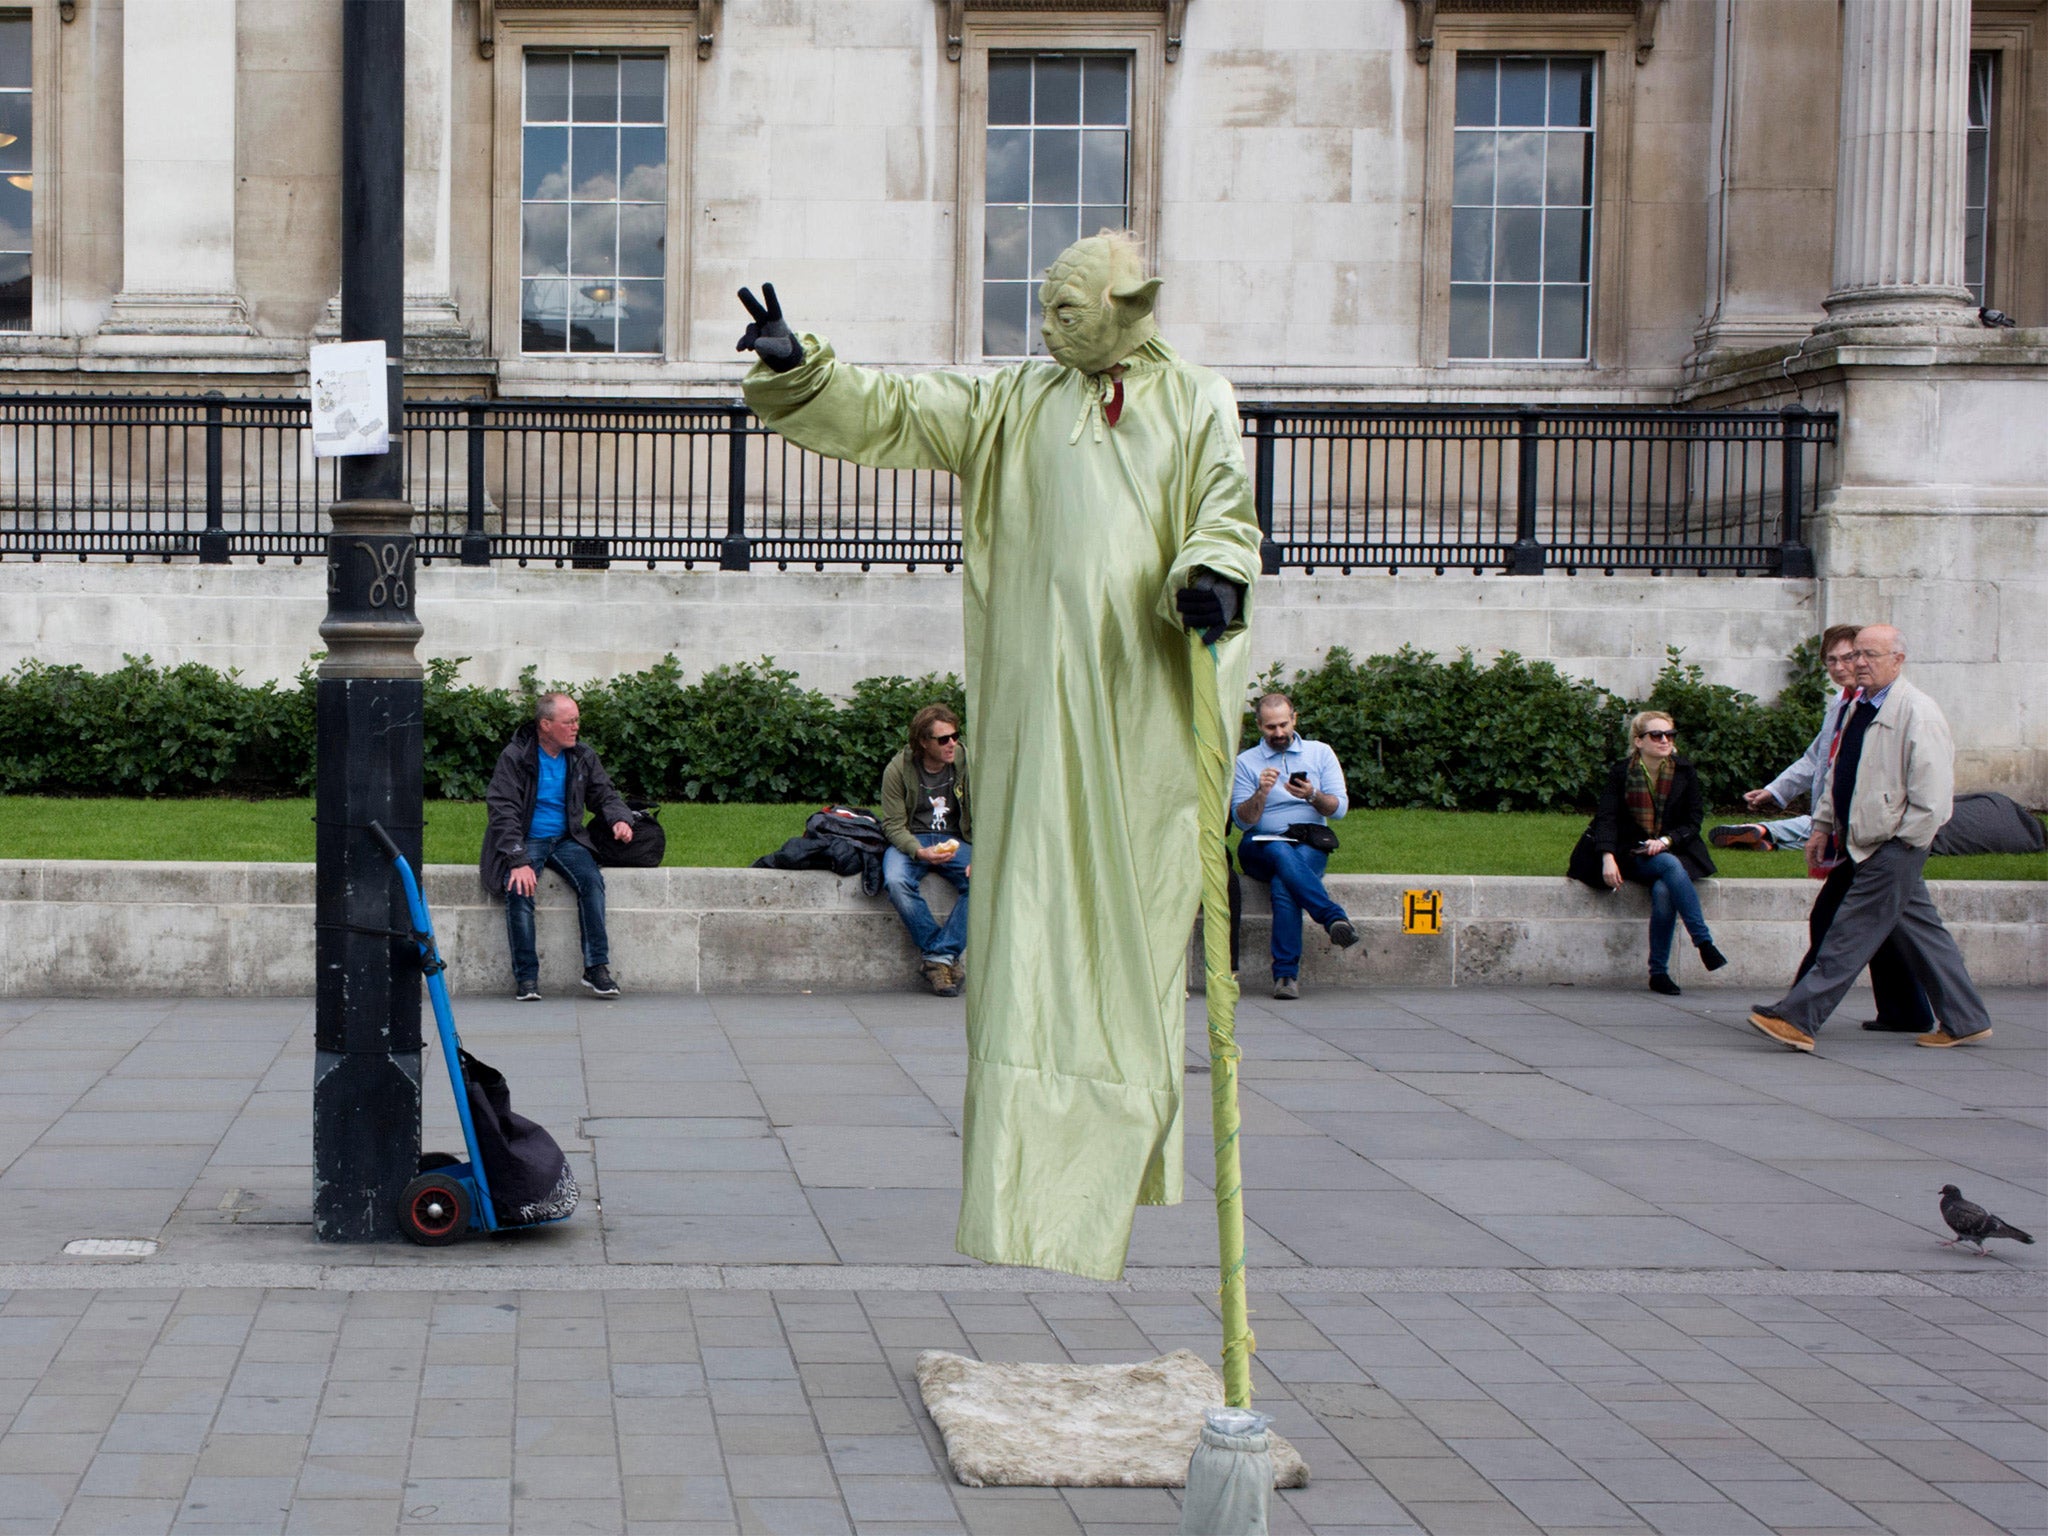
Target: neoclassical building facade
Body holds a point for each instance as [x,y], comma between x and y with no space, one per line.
[1673,203]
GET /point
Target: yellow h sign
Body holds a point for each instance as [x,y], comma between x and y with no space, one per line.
[1422,912]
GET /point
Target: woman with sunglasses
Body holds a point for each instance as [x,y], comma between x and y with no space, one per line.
[1647,830]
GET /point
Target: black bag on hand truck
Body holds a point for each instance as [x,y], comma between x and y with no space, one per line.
[516,1175]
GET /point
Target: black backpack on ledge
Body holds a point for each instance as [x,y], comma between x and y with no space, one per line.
[845,839]
[648,845]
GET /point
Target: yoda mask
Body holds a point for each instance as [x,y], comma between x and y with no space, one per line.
[1098,303]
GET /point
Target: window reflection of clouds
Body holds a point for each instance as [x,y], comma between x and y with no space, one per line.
[1521,216]
[593,228]
[16,158]
[1047,179]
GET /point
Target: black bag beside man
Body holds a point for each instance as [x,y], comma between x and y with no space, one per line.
[649,843]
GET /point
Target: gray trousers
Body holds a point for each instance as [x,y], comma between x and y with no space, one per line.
[1887,898]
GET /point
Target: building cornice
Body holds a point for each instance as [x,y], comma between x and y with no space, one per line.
[1422,15]
[1175,12]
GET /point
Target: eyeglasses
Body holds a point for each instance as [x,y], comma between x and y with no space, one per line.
[1659,736]
[939,741]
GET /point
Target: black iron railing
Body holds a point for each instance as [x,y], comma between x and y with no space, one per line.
[594,482]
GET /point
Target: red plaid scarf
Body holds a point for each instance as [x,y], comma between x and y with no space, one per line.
[1645,791]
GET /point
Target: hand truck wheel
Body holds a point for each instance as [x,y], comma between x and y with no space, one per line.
[434,1210]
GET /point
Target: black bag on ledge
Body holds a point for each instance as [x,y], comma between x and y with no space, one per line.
[648,845]
[845,839]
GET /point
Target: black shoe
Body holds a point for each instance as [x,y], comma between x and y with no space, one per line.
[1342,934]
[599,979]
[526,991]
[1711,957]
[1892,1027]
[1663,984]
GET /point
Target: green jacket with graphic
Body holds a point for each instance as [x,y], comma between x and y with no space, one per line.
[900,782]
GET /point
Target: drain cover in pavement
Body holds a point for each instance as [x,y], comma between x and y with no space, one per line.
[110,1247]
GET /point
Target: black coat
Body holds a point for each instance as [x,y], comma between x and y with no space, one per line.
[515,785]
[1613,830]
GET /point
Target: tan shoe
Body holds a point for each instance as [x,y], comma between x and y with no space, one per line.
[1941,1039]
[1781,1030]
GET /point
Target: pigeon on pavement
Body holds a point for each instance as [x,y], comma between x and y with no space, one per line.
[1972,1223]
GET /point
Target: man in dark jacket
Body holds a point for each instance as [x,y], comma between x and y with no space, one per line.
[544,782]
[924,812]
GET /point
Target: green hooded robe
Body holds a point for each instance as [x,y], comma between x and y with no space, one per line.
[1089,753]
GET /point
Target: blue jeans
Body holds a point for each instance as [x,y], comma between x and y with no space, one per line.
[901,877]
[572,861]
[1295,872]
[1671,897]
[1792,832]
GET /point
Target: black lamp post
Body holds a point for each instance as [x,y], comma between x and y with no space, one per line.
[366,1083]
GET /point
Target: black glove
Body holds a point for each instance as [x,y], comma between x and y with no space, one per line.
[1209,603]
[769,336]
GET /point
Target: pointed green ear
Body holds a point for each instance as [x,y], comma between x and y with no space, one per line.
[1134,301]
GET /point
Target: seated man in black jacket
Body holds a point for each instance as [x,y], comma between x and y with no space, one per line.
[544,781]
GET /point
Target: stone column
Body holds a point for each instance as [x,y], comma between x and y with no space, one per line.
[1899,178]
[178,172]
[432,322]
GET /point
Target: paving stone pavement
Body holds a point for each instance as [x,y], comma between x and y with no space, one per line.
[1525,1260]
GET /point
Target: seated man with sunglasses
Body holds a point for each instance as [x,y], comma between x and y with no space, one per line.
[924,811]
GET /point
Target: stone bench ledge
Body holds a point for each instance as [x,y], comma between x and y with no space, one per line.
[210,929]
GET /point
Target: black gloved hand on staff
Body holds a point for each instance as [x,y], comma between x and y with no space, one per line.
[1210,603]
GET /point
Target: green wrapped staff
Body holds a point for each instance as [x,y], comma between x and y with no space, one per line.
[1217,736]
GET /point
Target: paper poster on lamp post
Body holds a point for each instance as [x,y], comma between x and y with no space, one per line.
[351,406]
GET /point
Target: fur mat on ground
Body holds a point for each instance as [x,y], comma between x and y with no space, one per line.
[1078,1426]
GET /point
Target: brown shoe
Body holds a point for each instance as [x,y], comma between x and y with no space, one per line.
[938,975]
[1784,1031]
[1741,835]
[1941,1039]
[959,976]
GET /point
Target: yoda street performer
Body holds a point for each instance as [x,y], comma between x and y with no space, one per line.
[1109,543]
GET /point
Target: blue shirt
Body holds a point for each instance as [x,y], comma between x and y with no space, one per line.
[550,813]
[1282,809]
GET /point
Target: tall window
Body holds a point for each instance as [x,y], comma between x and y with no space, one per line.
[593,202]
[1977,199]
[1522,207]
[17,183]
[1058,168]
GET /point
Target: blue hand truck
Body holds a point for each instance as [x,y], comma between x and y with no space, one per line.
[453,1199]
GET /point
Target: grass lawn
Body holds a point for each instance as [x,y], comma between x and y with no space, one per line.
[730,836]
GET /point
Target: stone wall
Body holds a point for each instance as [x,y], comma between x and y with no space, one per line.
[234,930]
[835,628]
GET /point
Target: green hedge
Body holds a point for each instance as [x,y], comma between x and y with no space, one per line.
[1409,729]
[1521,736]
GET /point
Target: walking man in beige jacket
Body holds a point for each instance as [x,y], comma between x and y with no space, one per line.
[1888,793]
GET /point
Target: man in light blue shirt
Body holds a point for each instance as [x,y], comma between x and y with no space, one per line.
[1809,775]
[1284,784]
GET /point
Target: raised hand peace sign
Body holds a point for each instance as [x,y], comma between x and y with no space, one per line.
[769,336]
